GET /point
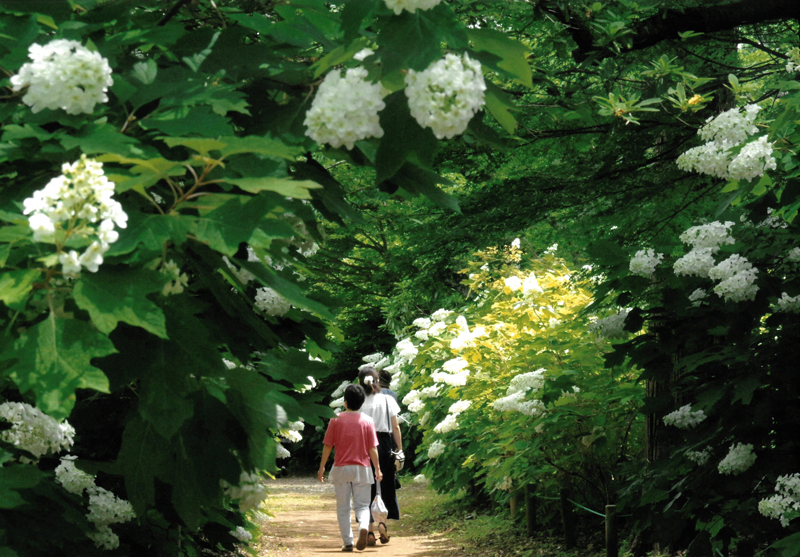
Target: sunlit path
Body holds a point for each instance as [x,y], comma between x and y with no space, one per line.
[305,525]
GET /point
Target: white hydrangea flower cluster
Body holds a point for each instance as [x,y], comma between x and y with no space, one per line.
[420,479]
[446,95]
[63,74]
[71,478]
[345,109]
[291,432]
[466,337]
[645,261]
[282,452]
[250,492]
[793,255]
[793,61]
[740,457]
[506,485]
[772,220]
[530,284]
[699,457]
[241,534]
[178,280]
[611,327]
[406,349]
[513,283]
[436,449]
[372,358]
[517,402]
[243,275]
[340,389]
[270,302]
[450,421]
[453,379]
[684,418]
[786,501]
[697,297]
[80,199]
[104,507]
[422,323]
[698,262]
[721,134]
[34,431]
[533,380]
[441,314]
[410,6]
[788,304]
[711,235]
[455,365]
[737,278]
[413,400]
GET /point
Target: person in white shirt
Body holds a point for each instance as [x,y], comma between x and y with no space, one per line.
[383,410]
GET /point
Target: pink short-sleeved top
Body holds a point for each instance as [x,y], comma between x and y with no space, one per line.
[352,434]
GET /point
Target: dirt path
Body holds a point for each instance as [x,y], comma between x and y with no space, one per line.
[305,525]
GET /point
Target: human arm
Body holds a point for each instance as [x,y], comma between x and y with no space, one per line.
[398,438]
[326,453]
[373,455]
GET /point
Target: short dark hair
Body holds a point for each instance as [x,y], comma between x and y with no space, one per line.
[354,396]
[386,378]
[370,387]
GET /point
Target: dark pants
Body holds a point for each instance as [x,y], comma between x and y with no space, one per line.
[386,460]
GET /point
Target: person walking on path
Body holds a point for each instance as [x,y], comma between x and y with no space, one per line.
[385,382]
[383,410]
[353,436]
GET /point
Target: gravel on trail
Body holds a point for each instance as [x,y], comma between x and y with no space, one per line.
[304,524]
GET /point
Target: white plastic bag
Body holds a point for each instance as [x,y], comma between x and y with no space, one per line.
[379,512]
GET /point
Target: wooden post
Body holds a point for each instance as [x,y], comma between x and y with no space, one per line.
[612,541]
[566,519]
[514,506]
[530,509]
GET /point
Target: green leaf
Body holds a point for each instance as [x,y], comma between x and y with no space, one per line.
[52,360]
[338,56]
[788,546]
[102,138]
[13,478]
[202,146]
[512,53]
[299,189]
[162,396]
[418,180]
[15,285]
[403,139]
[143,456]
[115,294]
[288,290]
[151,231]
[404,30]
[293,366]
[224,228]
[194,121]
[149,171]
[260,145]
[145,71]
[500,106]
[354,13]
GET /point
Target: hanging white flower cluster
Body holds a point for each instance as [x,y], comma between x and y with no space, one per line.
[406,349]
[506,485]
[458,379]
[413,400]
[711,235]
[446,95]
[282,452]
[793,255]
[450,421]
[410,6]
[250,491]
[34,431]
[737,277]
[104,507]
[79,199]
[788,304]
[787,499]
[611,327]
[291,432]
[517,402]
[63,74]
[793,62]
[740,457]
[533,380]
[721,134]
[436,449]
[699,457]
[241,534]
[345,109]
[530,284]
[644,262]
[270,302]
[513,283]
[684,418]
[697,297]
[440,314]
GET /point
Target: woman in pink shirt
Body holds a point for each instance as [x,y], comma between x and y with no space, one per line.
[353,435]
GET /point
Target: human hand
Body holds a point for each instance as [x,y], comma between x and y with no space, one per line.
[320,474]
[379,475]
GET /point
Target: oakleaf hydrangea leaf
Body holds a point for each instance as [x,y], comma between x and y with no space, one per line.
[53,360]
[114,295]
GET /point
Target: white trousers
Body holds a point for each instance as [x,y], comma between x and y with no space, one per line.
[360,494]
